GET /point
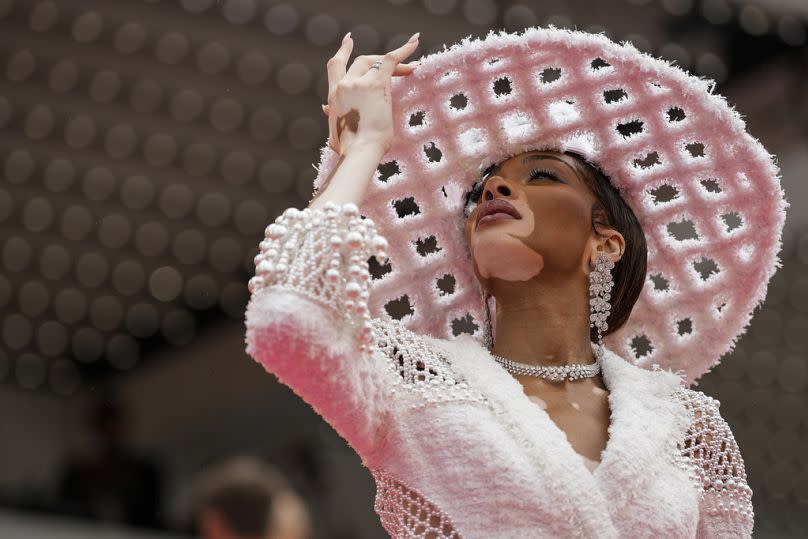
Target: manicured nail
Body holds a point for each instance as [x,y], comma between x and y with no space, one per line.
[347,37]
[414,37]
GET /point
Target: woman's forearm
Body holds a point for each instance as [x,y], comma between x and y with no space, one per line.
[349,180]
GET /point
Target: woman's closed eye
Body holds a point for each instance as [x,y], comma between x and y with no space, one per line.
[539,173]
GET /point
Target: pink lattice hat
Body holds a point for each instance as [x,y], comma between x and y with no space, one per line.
[706,193]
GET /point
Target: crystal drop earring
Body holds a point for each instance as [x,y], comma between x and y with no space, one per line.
[487,333]
[600,288]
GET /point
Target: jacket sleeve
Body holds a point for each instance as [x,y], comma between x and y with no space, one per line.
[307,320]
[725,509]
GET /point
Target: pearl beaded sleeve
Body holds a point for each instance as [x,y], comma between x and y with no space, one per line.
[308,321]
[712,454]
[307,251]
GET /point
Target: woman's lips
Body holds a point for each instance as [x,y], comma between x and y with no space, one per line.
[498,216]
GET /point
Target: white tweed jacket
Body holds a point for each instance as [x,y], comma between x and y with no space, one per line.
[456,447]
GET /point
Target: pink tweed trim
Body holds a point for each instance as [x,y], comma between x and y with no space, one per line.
[677,153]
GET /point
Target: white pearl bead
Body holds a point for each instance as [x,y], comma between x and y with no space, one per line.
[379,243]
[335,241]
[265,266]
[354,239]
[349,209]
[352,290]
[354,270]
[332,275]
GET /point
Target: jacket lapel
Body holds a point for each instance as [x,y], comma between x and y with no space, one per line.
[644,427]
[646,424]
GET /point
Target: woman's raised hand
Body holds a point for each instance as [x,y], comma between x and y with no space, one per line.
[360,107]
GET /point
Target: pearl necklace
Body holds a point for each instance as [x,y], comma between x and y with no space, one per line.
[571,372]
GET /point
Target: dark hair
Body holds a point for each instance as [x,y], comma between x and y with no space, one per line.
[610,210]
[243,490]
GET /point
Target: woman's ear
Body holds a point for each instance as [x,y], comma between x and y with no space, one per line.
[610,242]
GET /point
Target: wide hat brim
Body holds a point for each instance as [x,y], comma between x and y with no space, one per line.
[706,193]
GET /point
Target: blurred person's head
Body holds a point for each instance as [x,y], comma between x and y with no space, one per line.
[244,498]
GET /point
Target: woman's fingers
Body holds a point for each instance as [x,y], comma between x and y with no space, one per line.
[395,57]
[336,64]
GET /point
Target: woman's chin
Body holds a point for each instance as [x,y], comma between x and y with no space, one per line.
[505,257]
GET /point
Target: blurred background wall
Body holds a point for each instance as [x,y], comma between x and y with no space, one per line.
[145,145]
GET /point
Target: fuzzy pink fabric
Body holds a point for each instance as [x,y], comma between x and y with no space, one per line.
[578,91]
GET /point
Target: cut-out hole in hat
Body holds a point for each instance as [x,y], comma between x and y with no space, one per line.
[433,153]
[406,206]
[650,160]
[696,149]
[684,326]
[642,346]
[377,271]
[550,75]
[711,185]
[446,284]
[614,96]
[502,86]
[459,101]
[664,193]
[733,220]
[720,306]
[464,325]
[661,284]
[399,308]
[599,63]
[683,230]
[676,114]
[427,246]
[388,170]
[417,118]
[443,190]
[629,129]
[492,61]
[706,268]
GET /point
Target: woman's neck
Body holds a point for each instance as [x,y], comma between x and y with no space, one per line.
[543,323]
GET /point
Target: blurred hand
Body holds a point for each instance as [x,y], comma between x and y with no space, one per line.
[360,108]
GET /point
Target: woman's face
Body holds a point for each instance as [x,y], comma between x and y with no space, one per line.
[554,226]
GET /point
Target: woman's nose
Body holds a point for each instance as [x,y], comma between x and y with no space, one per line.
[496,186]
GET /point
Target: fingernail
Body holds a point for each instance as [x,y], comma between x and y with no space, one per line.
[347,37]
[414,37]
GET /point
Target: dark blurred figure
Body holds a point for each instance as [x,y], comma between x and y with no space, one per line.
[113,483]
[244,498]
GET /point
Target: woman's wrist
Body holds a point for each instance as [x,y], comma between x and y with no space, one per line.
[349,179]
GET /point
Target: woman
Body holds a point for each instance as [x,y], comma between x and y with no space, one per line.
[536,168]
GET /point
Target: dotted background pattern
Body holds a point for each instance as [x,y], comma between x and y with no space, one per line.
[706,193]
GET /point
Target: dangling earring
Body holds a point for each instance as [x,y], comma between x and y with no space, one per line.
[600,288]
[487,336]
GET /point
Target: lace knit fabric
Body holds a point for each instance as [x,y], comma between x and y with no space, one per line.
[406,513]
[419,370]
[711,454]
